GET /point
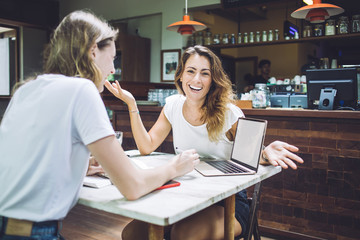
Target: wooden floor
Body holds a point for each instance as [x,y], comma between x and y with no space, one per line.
[84,223]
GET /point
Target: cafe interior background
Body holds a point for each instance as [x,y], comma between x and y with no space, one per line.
[27,24]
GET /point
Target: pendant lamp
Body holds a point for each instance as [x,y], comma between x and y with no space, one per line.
[317,12]
[186,26]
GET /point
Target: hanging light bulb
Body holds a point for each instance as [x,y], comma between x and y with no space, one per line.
[317,12]
[186,26]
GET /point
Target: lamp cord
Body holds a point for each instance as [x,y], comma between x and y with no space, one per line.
[186,12]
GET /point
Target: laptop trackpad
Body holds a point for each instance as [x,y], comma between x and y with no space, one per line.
[206,169]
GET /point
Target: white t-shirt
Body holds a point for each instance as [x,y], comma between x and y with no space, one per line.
[187,136]
[43,138]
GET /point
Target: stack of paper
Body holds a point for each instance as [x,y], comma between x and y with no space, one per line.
[96,181]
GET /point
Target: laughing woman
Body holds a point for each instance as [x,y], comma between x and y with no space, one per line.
[203,117]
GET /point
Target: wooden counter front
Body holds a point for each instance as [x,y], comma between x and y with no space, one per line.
[319,200]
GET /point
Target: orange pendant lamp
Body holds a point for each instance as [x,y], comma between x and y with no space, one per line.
[317,12]
[186,26]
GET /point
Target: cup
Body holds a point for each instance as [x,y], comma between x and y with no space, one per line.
[334,63]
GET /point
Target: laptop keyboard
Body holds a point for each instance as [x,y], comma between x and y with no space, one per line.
[226,167]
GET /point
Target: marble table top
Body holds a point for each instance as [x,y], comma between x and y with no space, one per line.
[167,206]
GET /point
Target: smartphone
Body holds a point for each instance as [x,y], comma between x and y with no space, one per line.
[169,184]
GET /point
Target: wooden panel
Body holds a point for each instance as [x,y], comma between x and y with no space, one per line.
[135,54]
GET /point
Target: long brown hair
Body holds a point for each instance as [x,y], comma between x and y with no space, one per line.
[69,50]
[219,95]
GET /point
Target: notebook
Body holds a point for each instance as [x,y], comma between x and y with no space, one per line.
[245,154]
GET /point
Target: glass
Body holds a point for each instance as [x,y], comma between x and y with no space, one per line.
[343,25]
[355,25]
[216,39]
[318,30]
[260,96]
[207,39]
[307,31]
[225,39]
[270,36]
[239,40]
[330,27]
[246,38]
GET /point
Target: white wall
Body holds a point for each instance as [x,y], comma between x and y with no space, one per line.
[170,10]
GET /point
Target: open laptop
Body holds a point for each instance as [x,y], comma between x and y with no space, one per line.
[245,154]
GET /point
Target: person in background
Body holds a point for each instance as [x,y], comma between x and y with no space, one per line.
[247,79]
[203,117]
[265,68]
[52,124]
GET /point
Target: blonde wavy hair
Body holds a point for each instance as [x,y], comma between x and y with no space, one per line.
[219,95]
[68,52]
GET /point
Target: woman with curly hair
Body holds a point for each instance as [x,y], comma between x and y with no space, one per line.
[203,117]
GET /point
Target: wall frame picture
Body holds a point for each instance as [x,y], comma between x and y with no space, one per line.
[169,62]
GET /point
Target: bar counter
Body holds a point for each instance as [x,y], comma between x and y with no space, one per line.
[321,199]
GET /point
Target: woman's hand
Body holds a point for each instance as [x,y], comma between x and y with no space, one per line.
[281,154]
[94,167]
[120,93]
[186,161]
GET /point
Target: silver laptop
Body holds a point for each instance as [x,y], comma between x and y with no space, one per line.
[245,154]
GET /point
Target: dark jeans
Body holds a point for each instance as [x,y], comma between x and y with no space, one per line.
[49,230]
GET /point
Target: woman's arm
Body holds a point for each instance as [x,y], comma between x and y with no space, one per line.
[146,142]
[133,182]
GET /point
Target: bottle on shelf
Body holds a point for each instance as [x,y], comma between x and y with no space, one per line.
[199,38]
[355,24]
[343,26]
[277,36]
[264,36]
[207,39]
[270,36]
[225,38]
[232,39]
[251,37]
[239,39]
[216,39]
[330,27]
[257,36]
[246,39]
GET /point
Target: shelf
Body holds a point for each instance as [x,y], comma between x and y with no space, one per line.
[346,38]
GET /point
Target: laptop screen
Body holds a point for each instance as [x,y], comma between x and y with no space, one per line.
[248,141]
